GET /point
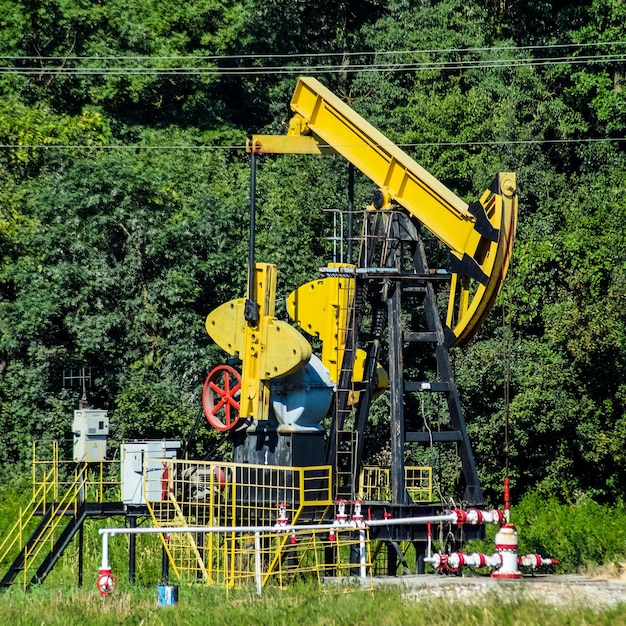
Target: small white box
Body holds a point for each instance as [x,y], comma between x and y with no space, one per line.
[142,462]
[91,429]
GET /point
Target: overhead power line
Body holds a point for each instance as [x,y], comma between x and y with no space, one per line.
[312,69]
[319,55]
[394,61]
[239,147]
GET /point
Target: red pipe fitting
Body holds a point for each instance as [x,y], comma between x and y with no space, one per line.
[106,582]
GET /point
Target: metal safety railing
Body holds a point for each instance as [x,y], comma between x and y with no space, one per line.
[59,490]
[192,493]
[375,483]
[16,537]
[34,547]
[54,474]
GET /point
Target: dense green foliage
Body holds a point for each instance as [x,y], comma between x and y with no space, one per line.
[588,533]
[124,210]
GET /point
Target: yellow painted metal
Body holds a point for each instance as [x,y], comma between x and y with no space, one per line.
[225,495]
[471,301]
[58,488]
[321,308]
[268,348]
[335,123]
[359,371]
[483,253]
[375,483]
[286,144]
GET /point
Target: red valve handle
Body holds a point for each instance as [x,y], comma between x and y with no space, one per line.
[219,401]
[106,582]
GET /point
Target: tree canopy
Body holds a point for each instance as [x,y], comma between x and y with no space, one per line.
[124,202]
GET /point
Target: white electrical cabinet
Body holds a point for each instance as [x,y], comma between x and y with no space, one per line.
[91,429]
[144,471]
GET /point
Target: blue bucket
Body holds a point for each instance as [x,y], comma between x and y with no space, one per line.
[167,595]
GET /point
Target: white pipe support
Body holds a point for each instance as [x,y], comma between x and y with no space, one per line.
[105,552]
[257,563]
[362,554]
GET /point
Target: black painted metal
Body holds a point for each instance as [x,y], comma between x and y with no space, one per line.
[67,534]
[387,234]
[18,563]
[165,565]
[251,234]
[81,553]
[132,550]
[350,209]
[73,525]
[473,492]
[251,309]
[396,397]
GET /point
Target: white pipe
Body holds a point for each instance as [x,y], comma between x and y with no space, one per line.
[535,560]
[105,552]
[165,530]
[257,530]
[345,525]
[434,519]
[456,560]
[257,563]
[477,516]
[362,553]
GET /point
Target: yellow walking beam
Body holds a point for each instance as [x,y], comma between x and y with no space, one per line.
[479,236]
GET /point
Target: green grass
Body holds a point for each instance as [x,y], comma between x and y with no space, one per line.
[581,533]
[301,605]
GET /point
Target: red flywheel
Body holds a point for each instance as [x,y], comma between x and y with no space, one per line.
[219,397]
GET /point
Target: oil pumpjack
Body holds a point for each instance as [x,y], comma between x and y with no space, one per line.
[369,316]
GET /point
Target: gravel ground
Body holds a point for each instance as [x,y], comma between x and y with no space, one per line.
[559,590]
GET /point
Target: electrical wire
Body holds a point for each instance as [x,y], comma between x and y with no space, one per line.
[239,147]
[342,54]
[435,480]
[507,348]
[251,71]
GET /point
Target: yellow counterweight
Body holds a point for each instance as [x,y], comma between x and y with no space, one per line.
[268,348]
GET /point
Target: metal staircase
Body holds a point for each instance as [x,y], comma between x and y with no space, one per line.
[59,519]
